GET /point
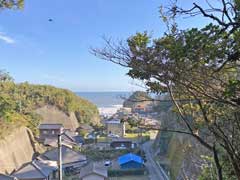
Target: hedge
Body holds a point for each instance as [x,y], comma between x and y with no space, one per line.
[126,172]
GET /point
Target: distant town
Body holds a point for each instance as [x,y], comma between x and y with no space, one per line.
[117,148]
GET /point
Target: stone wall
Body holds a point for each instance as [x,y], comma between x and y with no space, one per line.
[15,150]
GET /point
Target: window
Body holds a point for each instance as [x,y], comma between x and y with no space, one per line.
[53,132]
[45,132]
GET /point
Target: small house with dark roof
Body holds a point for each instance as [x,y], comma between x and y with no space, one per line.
[122,143]
[68,138]
[37,170]
[115,126]
[130,161]
[93,172]
[50,131]
[70,158]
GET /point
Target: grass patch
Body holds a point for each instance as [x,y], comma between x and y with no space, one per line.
[130,178]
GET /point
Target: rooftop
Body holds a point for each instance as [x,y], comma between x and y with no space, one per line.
[93,168]
[129,157]
[68,155]
[113,121]
[6,177]
[50,126]
[36,169]
[121,140]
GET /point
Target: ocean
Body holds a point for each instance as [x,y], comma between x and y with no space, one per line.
[107,102]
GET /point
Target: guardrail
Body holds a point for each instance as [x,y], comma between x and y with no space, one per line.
[162,171]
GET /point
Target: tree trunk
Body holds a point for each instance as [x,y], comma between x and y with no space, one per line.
[217,163]
[236,165]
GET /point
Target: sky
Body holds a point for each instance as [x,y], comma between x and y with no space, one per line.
[56,52]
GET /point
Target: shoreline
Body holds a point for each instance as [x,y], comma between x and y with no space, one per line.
[109,111]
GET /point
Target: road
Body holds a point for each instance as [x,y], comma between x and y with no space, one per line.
[155,171]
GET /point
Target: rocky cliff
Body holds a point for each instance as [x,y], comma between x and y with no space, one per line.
[51,114]
[180,155]
[15,150]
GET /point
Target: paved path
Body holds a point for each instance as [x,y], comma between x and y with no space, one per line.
[155,171]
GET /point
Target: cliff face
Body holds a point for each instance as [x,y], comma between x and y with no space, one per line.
[180,155]
[15,150]
[51,114]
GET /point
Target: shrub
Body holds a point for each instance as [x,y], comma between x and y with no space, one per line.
[127,172]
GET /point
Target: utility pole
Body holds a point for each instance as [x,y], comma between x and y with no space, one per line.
[60,156]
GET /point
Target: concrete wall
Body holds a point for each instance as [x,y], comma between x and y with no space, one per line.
[15,150]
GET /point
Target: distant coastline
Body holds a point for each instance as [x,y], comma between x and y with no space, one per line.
[107,102]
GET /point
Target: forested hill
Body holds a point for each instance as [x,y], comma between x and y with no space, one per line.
[18,103]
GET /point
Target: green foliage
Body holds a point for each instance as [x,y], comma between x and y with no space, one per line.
[4,76]
[18,101]
[136,98]
[9,4]
[126,172]
[209,169]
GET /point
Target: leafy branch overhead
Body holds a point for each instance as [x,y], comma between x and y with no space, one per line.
[10,4]
[197,65]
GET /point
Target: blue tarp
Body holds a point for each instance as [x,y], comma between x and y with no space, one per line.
[128,158]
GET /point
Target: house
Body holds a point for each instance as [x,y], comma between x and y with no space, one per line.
[70,158]
[49,131]
[6,177]
[115,126]
[37,170]
[68,137]
[93,172]
[130,161]
[139,108]
[122,143]
[85,128]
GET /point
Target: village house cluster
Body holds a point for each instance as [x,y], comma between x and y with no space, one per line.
[75,162]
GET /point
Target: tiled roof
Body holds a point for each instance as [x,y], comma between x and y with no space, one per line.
[6,177]
[93,169]
[68,155]
[36,169]
[113,121]
[50,126]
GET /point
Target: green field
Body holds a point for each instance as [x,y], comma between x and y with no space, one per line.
[132,136]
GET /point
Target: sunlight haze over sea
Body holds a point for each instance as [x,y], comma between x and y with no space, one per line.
[107,102]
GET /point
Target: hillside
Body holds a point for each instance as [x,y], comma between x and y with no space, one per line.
[138,97]
[51,114]
[19,102]
[178,153]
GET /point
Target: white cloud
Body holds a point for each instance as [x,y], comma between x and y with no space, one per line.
[7,39]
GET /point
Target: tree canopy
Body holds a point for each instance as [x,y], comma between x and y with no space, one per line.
[199,68]
[10,4]
[18,102]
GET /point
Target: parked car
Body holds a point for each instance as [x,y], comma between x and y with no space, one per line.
[113,135]
[107,163]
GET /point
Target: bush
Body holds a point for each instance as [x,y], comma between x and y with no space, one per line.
[18,102]
[127,172]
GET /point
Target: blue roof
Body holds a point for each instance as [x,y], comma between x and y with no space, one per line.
[129,157]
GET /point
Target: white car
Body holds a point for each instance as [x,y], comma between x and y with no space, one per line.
[113,135]
[107,163]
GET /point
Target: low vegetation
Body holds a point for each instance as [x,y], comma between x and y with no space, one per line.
[18,102]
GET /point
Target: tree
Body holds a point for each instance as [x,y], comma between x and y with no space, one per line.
[135,98]
[199,68]
[10,4]
[4,76]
